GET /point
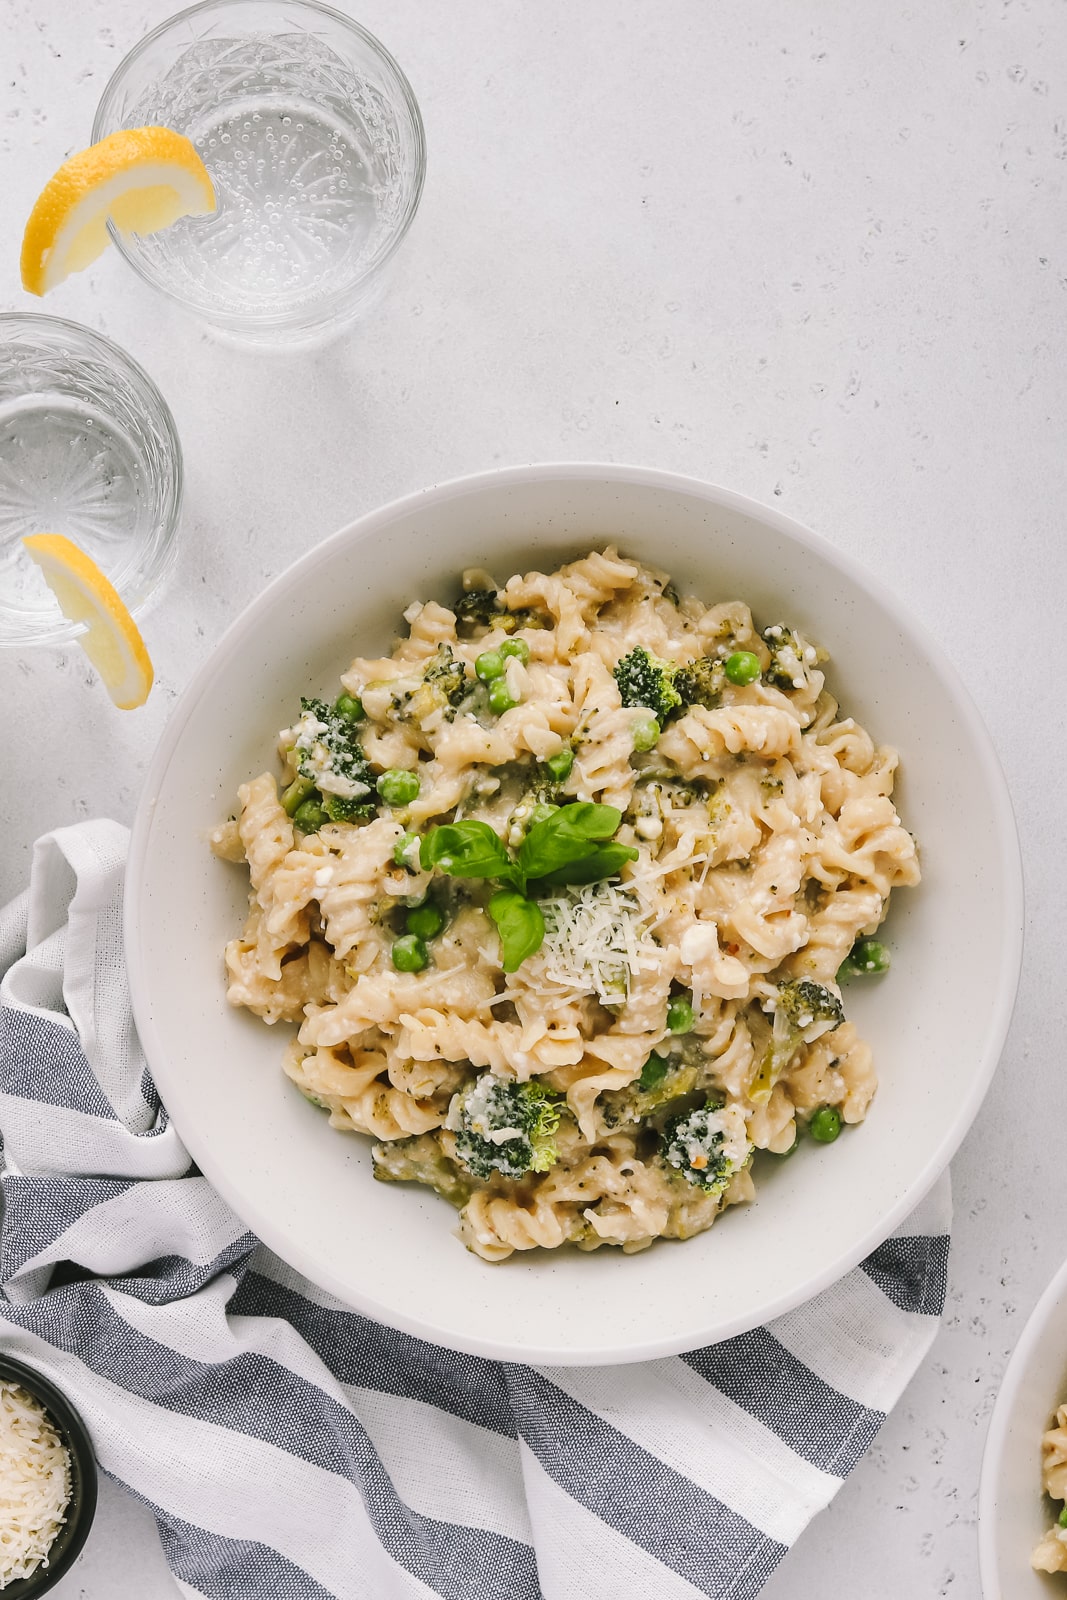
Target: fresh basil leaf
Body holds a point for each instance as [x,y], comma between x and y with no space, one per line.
[595,822]
[605,861]
[520,925]
[465,850]
[567,835]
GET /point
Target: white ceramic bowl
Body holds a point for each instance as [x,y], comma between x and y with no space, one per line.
[1013,1513]
[937,1023]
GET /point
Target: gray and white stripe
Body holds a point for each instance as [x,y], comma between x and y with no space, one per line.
[288,1446]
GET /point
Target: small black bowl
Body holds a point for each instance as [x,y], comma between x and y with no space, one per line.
[82,1507]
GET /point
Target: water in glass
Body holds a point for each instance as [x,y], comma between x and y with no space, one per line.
[87,449]
[307,165]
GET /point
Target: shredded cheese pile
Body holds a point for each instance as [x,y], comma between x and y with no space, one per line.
[34,1483]
[595,941]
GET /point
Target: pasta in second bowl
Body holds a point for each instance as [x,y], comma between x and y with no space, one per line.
[1020,1539]
[651,1096]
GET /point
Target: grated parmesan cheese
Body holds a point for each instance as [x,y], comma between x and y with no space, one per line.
[34,1483]
[596,939]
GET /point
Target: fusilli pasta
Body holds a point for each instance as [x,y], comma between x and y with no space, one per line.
[590,1052]
[1051,1553]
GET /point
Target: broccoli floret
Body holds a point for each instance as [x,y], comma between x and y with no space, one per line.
[523,617]
[645,680]
[656,790]
[803,1011]
[477,607]
[447,675]
[330,757]
[700,683]
[787,670]
[808,1008]
[666,688]
[421,1160]
[505,1127]
[663,1079]
[708,1146]
[441,686]
[484,608]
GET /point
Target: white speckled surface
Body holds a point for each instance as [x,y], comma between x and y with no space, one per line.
[813,251]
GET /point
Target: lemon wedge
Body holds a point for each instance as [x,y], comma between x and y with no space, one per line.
[143,179]
[112,640]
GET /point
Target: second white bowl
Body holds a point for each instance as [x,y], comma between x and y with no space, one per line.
[1013,1513]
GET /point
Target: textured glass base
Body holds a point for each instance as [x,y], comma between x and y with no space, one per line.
[87,449]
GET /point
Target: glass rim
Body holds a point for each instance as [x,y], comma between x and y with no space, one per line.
[324,307]
[154,569]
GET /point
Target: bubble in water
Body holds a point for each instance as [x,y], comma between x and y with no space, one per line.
[298,203]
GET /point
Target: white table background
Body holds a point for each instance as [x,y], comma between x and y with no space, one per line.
[811,249]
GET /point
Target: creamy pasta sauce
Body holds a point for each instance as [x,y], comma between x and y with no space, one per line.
[567,1061]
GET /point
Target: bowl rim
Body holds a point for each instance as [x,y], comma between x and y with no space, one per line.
[364,528]
[84,1475]
[1052,1298]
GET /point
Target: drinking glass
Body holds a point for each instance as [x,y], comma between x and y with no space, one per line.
[315,145]
[88,448]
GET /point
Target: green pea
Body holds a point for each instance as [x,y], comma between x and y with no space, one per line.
[410,954]
[426,921]
[347,705]
[310,817]
[653,1072]
[295,794]
[742,667]
[500,696]
[1062,1518]
[490,665]
[398,787]
[517,648]
[402,846]
[561,763]
[825,1125]
[680,1014]
[645,733]
[867,958]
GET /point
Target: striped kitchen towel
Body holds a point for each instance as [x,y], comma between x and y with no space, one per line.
[290,1448]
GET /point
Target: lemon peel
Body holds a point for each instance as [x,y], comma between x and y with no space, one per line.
[112,640]
[141,179]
